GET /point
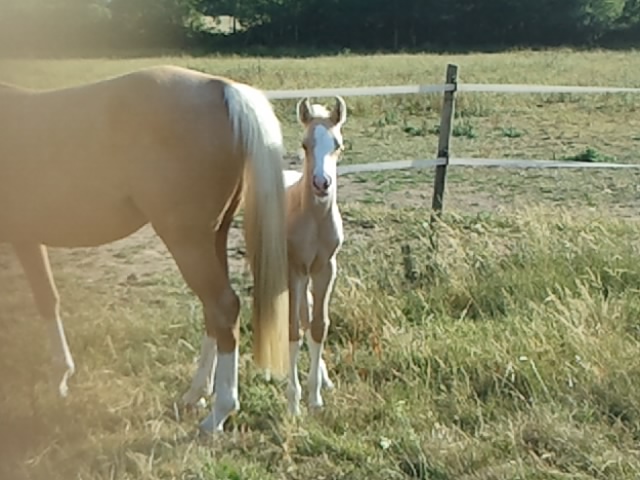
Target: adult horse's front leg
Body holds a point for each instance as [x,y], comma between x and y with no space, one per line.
[35,263]
[322,285]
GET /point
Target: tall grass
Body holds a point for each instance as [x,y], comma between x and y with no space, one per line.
[510,352]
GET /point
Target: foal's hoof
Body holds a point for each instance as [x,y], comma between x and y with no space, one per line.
[294,409]
[327,383]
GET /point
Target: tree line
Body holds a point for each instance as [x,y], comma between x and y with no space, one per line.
[87,25]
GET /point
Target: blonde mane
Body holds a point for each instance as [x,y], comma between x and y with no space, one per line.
[319,111]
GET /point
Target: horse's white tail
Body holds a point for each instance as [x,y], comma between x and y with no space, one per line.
[258,133]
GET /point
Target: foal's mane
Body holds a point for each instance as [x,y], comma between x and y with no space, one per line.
[319,111]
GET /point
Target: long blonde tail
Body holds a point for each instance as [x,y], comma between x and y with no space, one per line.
[257,129]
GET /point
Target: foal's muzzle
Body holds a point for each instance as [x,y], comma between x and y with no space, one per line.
[321,184]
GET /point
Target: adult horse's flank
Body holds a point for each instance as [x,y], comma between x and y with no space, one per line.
[168,146]
[314,236]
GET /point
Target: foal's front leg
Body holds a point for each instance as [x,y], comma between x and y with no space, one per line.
[322,286]
[35,263]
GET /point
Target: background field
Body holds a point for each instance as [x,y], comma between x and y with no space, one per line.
[510,352]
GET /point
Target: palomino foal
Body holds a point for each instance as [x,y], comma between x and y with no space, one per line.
[314,236]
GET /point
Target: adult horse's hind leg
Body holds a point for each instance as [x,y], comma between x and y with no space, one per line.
[35,263]
[192,247]
[202,383]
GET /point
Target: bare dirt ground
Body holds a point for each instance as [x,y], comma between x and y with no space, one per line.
[143,254]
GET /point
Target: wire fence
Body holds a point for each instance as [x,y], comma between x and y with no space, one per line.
[449,89]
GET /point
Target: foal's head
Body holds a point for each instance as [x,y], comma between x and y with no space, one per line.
[322,143]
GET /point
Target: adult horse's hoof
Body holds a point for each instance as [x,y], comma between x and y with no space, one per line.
[61,375]
[222,410]
[207,425]
[211,426]
[193,399]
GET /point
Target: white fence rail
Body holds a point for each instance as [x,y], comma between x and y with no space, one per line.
[358,91]
[460,87]
[478,162]
[449,89]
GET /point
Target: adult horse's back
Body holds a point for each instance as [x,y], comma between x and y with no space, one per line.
[179,149]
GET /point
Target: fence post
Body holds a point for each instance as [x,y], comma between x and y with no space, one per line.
[446,122]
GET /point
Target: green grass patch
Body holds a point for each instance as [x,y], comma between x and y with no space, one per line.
[590,155]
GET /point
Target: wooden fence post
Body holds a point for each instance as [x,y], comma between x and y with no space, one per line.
[446,122]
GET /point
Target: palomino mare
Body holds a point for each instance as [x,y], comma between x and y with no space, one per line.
[314,237]
[168,146]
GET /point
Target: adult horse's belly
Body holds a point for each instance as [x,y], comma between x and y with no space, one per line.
[81,222]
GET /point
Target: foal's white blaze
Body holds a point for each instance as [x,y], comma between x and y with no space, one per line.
[325,168]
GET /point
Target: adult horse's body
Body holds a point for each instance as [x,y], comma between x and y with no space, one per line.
[179,149]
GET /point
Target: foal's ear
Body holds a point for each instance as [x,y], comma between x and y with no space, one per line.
[339,112]
[303,111]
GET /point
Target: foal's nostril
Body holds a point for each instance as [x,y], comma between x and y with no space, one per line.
[322,183]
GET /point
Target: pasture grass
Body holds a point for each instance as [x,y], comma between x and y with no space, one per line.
[510,352]
[500,345]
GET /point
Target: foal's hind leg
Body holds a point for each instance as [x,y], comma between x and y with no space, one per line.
[192,248]
[322,286]
[202,383]
[35,263]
